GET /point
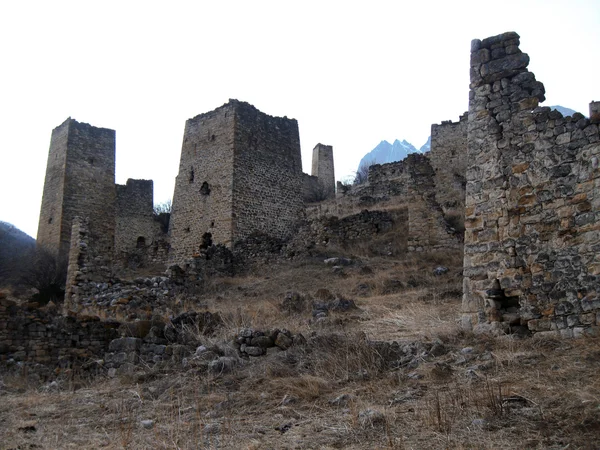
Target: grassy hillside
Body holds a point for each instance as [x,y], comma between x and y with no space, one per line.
[347,387]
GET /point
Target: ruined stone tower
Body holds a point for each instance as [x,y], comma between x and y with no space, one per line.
[322,168]
[80,181]
[240,172]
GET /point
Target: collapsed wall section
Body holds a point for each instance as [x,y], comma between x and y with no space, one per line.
[532,241]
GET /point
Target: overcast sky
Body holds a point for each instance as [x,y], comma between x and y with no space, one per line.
[351,73]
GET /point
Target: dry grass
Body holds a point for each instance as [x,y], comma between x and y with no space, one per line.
[453,390]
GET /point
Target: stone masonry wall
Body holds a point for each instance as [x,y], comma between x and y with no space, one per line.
[51,224]
[80,181]
[43,335]
[203,197]
[408,185]
[267,188]
[427,228]
[532,242]
[135,215]
[448,158]
[87,266]
[322,168]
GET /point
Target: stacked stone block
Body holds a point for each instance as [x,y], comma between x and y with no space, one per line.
[532,215]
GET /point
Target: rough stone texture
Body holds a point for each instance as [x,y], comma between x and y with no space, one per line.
[532,241]
[312,189]
[409,188]
[240,172]
[87,266]
[42,335]
[80,181]
[137,232]
[322,168]
[428,230]
[448,158]
[347,230]
[135,226]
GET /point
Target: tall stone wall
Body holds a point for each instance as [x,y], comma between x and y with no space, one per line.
[203,197]
[240,172]
[448,158]
[267,188]
[80,181]
[322,168]
[532,241]
[135,225]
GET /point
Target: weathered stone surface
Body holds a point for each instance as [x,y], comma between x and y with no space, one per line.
[261,153]
[529,219]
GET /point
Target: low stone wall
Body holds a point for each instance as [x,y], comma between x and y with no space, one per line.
[42,335]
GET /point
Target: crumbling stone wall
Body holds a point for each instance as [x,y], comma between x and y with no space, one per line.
[448,158]
[80,181]
[43,335]
[240,172]
[428,230]
[139,238]
[312,189]
[532,242]
[408,185]
[87,266]
[135,226]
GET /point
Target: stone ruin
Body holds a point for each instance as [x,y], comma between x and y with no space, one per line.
[523,178]
[532,217]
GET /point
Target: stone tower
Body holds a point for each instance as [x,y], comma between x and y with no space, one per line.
[240,172]
[80,181]
[322,168]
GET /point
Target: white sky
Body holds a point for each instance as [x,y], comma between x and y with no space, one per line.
[351,73]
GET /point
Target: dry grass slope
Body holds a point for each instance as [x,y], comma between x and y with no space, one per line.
[437,387]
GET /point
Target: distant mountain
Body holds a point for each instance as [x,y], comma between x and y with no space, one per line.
[564,111]
[386,153]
